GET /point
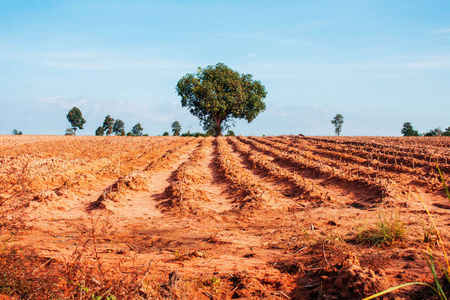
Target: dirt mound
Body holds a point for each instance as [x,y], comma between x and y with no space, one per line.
[349,280]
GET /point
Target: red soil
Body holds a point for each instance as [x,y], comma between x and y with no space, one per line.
[248,218]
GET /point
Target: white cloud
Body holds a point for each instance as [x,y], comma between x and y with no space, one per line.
[441,31]
[95,60]
[117,108]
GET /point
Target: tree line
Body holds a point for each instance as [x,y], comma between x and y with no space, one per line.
[408,130]
[110,126]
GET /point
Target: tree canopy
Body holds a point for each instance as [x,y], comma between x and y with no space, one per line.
[176,128]
[108,125]
[220,94]
[16,132]
[137,130]
[75,118]
[434,132]
[408,130]
[99,131]
[337,121]
[446,132]
[119,127]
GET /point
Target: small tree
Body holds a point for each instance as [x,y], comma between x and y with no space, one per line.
[166,133]
[220,94]
[119,127]
[108,125]
[434,132]
[70,131]
[176,128]
[16,132]
[446,132]
[408,130]
[137,130]
[230,133]
[99,131]
[337,122]
[75,118]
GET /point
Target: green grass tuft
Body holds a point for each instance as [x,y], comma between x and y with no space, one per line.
[388,229]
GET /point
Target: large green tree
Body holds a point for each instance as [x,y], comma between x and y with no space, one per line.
[176,128]
[338,121]
[108,125]
[408,130]
[75,118]
[220,94]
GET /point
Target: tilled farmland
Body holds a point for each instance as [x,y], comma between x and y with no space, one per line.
[285,217]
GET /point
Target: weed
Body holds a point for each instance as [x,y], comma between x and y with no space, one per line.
[388,229]
[429,234]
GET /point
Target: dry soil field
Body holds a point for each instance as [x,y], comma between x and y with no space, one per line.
[284,217]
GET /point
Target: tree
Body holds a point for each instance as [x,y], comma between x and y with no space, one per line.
[137,130]
[337,122]
[408,130]
[220,94]
[434,132]
[446,132]
[16,132]
[70,131]
[230,133]
[210,127]
[166,133]
[75,118]
[108,125]
[99,131]
[176,128]
[119,127]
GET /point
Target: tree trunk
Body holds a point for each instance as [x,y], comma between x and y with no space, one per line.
[218,128]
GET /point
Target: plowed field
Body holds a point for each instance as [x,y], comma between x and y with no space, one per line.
[281,217]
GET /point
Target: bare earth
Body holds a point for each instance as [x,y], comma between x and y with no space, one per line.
[235,217]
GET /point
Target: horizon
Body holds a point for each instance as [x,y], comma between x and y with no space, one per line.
[378,63]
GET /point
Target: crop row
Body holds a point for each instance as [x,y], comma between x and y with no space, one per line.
[419,148]
[247,186]
[183,192]
[304,188]
[323,167]
[421,172]
[134,180]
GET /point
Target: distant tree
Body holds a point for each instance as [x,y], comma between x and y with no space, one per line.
[70,131]
[220,94]
[434,132]
[230,133]
[75,118]
[137,130]
[446,132]
[408,130]
[176,128]
[166,133]
[16,132]
[337,122]
[99,131]
[118,127]
[108,125]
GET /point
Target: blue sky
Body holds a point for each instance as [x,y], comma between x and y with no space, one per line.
[378,63]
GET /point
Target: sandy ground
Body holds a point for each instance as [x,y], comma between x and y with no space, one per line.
[287,247]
